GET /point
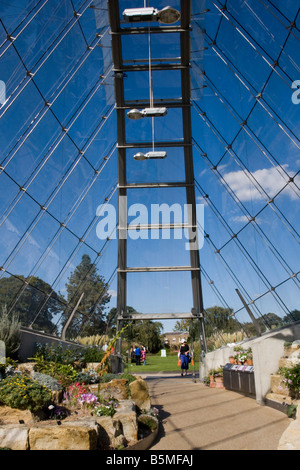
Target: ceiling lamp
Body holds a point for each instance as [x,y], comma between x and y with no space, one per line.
[167,15]
[150,155]
[147,112]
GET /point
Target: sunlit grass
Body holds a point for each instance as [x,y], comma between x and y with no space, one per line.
[156,363]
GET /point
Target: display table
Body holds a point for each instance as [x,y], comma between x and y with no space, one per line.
[239,378]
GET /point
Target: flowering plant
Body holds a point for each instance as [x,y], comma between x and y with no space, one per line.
[291,379]
[73,394]
[108,408]
[242,355]
[88,399]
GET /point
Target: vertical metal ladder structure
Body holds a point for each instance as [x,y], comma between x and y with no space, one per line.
[122,106]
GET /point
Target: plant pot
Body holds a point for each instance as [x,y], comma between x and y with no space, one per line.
[218,380]
[232,360]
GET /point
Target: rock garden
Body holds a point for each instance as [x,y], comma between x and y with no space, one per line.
[60,401]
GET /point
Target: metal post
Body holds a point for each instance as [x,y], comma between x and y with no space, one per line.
[255,322]
[63,333]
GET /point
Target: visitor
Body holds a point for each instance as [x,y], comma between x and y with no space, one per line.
[184,357]
[137,353]
[144,355]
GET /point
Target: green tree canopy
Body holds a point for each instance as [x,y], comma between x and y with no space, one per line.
[33,300]
[146,333]
[89,315]
[220,319]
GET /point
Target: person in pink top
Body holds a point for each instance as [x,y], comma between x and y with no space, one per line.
[143,355]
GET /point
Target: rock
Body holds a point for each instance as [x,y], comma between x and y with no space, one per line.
[110,432]
[27,368]
[139,393]
[290,439]
[279,387]
[14,436]
[76,435]
[10,415]
[126,414]
[116,388]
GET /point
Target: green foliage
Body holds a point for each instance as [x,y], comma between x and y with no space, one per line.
[107,408]
[23,393]
[148,421]
[47,380]
[291,379]
[10,331]
[34,291]
[90,376]
[85,279]
[93,354]
[60,353]
[65,374]
[145,332]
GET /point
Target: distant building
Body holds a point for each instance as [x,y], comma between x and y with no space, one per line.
[175,338]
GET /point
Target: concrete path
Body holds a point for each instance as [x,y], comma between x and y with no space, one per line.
[196,417]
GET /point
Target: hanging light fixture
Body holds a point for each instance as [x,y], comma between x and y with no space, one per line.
[167,15]
[150,155]
[147,112]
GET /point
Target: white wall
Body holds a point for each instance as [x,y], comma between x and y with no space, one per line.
[267,350]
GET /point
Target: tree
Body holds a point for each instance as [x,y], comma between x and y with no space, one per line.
[89,315]
[146,333]
[33,300]
[10,332]
[219,319]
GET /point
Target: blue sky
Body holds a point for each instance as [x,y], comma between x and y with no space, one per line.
[58,167]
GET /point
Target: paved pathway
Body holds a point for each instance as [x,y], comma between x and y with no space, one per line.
[196,417]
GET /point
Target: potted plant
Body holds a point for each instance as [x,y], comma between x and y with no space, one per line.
[216,377]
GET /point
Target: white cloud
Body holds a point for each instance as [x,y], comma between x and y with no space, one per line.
[248,186]
[112,292]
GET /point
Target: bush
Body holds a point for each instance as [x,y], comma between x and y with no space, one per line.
[61,354]
[10,331]
[63,373]
[292,379]
[47,380]
[90,376]
[23,393]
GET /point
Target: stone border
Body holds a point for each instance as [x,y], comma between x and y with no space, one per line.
[144,444]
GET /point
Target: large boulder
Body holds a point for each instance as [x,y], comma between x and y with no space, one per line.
[76,435]
[139,393]
[14,436]
[110,433]
[116,388]
[126,414]
[10,415]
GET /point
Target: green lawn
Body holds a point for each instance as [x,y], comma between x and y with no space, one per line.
[156,363]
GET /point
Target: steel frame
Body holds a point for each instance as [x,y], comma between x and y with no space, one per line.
[183,64]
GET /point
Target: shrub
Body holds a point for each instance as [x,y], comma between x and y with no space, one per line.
[63,373]
[23,393]
[89,376]
[10,331]
[60,354]
[291,379]
[47,380]
[93,354]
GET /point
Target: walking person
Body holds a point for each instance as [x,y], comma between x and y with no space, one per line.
[184,357]
[137,353]
[144,355]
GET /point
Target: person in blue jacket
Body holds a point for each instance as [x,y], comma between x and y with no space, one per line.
[137,353]
[184,355]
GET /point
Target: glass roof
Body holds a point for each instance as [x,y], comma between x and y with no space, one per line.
[59,159]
